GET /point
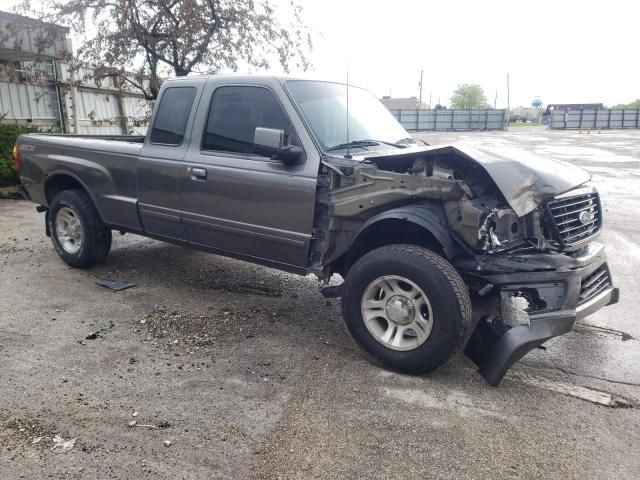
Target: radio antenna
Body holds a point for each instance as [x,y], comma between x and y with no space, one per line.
[348,155]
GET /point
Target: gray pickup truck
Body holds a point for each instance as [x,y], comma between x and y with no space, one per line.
[440,247]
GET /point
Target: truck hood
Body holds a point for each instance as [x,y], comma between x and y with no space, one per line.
[524,179]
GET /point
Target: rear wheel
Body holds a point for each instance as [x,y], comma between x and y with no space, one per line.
[77,232]
[406,307]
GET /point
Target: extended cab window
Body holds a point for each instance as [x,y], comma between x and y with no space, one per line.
[236,112]
[172,115]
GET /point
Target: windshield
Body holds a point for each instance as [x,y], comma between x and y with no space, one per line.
[324,107]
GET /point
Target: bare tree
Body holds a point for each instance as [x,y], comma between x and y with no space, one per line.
[155,38]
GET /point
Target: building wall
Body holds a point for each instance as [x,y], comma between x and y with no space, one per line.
[55,100]
[38,87]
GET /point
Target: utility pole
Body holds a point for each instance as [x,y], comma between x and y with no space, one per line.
[420,101]
[495,100]
[508,102]
[430,104]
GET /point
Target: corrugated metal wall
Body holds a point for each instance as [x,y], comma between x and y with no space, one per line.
[33,104]
[98,112]
[596,119]
[96,104]
[450,120]
[138,112]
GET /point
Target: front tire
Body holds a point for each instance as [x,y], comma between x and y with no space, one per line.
[407,307]
[78,234]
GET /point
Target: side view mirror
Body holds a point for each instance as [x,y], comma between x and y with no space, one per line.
[270,142]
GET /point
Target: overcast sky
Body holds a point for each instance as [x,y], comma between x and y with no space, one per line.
[565,51]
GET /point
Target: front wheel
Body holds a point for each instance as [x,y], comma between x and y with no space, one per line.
[77,232]
[407,307]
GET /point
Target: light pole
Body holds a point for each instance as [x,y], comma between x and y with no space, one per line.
[420,100]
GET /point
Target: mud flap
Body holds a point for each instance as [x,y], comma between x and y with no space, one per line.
[47,230]
[494,349]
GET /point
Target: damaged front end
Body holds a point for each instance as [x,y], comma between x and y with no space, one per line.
[520,301]
[522,231]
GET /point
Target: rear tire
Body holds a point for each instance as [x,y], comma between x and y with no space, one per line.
[78,234]
[406,307]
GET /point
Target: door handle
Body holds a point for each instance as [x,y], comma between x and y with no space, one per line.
[198,173]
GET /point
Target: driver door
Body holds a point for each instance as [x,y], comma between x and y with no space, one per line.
[240,203]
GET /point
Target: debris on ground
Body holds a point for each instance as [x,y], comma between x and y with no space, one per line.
[192,330]
[162,424]
[221,279]
[114,283]
[167,443]
[93,335]
[60,445]
[591,395]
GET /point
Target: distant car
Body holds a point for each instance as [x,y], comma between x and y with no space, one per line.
[435,243]
[517,119]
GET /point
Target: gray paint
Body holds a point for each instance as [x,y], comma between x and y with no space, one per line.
[262,210]
[247,205]
[525,180]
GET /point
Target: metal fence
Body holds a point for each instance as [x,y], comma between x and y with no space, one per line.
[61,101]
[29,104]
[595,119]
[451,120]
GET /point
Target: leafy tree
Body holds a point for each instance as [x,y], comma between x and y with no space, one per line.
[469,97]
[156,38]
[632,105]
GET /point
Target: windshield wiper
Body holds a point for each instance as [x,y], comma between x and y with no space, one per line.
[363,143]
[353,143]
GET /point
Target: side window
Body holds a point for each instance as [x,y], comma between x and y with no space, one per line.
[173,113]
[236,112]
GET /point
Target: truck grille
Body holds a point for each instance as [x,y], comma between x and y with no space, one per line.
[576,218]
[595,283]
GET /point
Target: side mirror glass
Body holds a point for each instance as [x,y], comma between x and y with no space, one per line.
[270,142]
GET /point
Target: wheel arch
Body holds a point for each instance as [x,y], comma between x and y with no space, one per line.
[59,181]
[423,224]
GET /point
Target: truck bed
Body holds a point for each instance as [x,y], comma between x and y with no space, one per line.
[105,165]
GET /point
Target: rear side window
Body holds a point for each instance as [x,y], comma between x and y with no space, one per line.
[236,112]
[172,115]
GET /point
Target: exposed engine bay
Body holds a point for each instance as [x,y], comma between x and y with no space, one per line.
[483,215]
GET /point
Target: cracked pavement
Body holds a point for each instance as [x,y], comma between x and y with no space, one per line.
[249,373]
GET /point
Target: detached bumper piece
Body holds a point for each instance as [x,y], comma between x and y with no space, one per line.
[550,304]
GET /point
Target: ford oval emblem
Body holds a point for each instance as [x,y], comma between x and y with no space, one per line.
[586,217]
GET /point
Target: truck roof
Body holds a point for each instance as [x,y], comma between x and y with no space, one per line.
[240,77]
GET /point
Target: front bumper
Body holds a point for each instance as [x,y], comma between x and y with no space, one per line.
[557,297]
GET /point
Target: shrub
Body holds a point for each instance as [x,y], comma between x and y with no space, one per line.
[8,136]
